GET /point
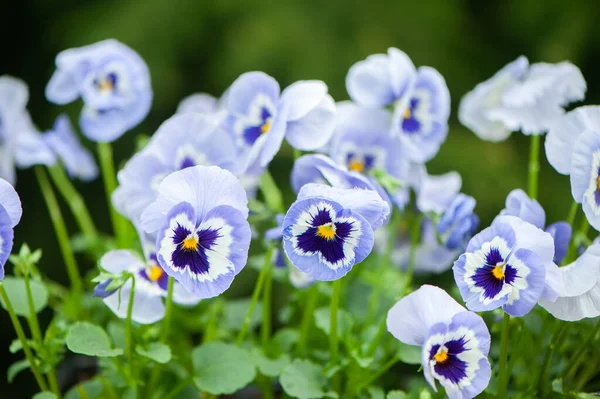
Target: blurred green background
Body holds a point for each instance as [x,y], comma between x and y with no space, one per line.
[202,46]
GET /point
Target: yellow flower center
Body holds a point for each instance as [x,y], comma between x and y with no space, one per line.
[598,183]
[407,113]
[265,127]
[357,166]
[155,273]
[326,231]
[498,272]
[441,356]
[106,85]
[190,243]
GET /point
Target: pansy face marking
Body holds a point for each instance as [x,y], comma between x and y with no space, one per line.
[154,274]
[109,88]
[258,121]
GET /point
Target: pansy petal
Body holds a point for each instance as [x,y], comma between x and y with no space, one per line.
[519,204]
[585,164]
[6,239]
[62,88]
[437,192]
[527,290]
[10,201]
[411,318]
[369,82]
[315,128]
[246,87]
[147,308]
[200,103]
[561,232]
[302,97]
[530,237]
[120,260]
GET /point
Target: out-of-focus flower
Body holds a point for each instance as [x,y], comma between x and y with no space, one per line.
[420,98]
[20,142]
[260,116]
[508,265]
[182,141]
[328,230]
[112,80]
[454,342]
[519,204]
[10,215]
[203,235]
[63,140]
[585,175]
[200,103]
[522,97]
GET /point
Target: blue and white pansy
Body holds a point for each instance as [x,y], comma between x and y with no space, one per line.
[200,216]
[112,80]
[182,141]
[585,175]
[77,160]
[10,215]
[260,116]
[454,342]
[420,98]
[508,265]
[150,289]
[328,230]
[522,97]
[20,142]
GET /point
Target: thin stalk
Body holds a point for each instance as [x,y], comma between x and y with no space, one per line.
[128,329]
[107,167]
[82,392]
[572,213]
[211,326]
[554,343]
[21,335]
[73,199]
[256,294]
[377,374]
[502,369]
[534,166]
[265,330]
[414,241]
[375,341]
[108,387]
[169,311]
[334,349]
[60,229]
[307,317]
[54,387]
[178,389]
[578,357]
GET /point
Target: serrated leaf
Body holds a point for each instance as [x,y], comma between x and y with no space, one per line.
[305,380]
[44,395]
[91,340]
[156,351]
[270,367]
[221,368]
[396,395]
[344,324]
[15,289]
[93,389]
[409,354]
[15,369]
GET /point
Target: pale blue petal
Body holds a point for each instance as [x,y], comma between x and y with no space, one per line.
[6,238]
[561,232]
[437,192]
[314,129]
[200,103]
[302,97]
[10,201]
[519,204]
[246,87]
[147,308]
[536,281]
[62,88]
[586,157]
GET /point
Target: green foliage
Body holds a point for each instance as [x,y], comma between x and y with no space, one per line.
[15,289]
[396,395]
[221,368]
[305,380]
[345,321]
[156,351]
[92,388]
[91,340]
[16,368]
[45,395]
[270,367]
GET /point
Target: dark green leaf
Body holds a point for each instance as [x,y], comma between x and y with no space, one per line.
[93,388]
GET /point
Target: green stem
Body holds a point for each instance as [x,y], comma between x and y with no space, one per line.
[375,341]
[377,374]
[82,392]
[265,331]
[256,294]
[334,353]
[578,357]
[110,184]
[572,213]
[502,369]
[168,311]
[554,343]
[307,318]
[128,328]
[572,251]
[54,382]
[61,230]
[21,335]
[414,241]
[534,166]
[73,199]
[210,333]
[110,392]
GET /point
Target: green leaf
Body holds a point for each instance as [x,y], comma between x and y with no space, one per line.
[271,192]
[396,395]
[156,351]
[376,393]
[235,313]
[305,380]
[45,395]
[116,331]
[15,346]
[344,325]
[285,339]
[409,354]
[93,388]
[16,368]
[270,367]
[91,340]
[15,289]
[222,368]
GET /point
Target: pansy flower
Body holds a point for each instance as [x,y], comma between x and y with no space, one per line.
[10,215]
[454,342]
[260,116]
[328,230]
[20,142]
[522,97]
[112,80]
[203,234]
[420,98]
[580,296]
[508,265]
[182,141]
[585,175]
[519,204]
[151,284]
[200,103]
[63,140]
[565,132]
